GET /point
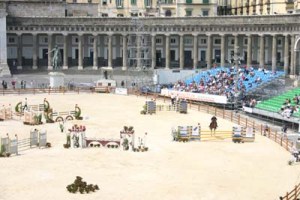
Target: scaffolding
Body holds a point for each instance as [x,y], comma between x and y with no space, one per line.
[139,46]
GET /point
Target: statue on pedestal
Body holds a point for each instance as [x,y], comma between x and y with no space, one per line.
[55,51]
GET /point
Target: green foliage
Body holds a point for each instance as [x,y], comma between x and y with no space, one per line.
[145,108]
[18,107]
[81,186]
[46,106]
[77,113]
[38,119]
[125,144]
[3,149]
[130,128]
[48,117]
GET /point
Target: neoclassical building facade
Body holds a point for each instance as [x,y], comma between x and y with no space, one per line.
[171,43]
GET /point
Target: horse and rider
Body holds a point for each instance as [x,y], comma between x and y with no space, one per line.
[213,125]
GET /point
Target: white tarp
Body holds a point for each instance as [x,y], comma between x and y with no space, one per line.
[195,96]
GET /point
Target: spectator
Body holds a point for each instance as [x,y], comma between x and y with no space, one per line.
[284,129]
[13,83]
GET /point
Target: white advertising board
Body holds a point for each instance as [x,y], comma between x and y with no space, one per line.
[122,91]
[195,96]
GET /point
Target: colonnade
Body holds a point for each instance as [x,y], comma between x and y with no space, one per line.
[288,53]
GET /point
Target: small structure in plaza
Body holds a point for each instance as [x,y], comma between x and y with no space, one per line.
[105,85]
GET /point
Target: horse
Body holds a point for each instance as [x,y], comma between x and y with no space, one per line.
[213,125]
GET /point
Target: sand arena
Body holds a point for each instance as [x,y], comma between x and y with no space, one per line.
[169,170]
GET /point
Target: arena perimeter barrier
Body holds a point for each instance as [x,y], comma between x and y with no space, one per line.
[292,195]
[231,116]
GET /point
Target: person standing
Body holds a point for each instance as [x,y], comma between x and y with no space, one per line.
[13,83]
[25,105]
[22,84]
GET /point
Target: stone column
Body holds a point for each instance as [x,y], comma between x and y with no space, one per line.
[222,50]
[3,43]
[95,48]
[249,51]
[181,51]
[236,45]
[209,49]
[80,51]
[139,54]
[110,57]
[50,47]
[19,52]
[34,51]
[293,69]
[274,52]
[124,52]
[65,64]
[195,51]
[167,51]
[262,51]
[153,51]
[286,54]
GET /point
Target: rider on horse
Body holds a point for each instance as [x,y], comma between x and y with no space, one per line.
[213,124]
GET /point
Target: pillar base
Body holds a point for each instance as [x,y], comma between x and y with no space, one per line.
[65,67]
[95,67]
[80,67]
[34,67]
[124,68]
[50,67]
[5,72]
[19,67]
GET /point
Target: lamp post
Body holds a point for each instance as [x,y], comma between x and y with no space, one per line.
[236,60]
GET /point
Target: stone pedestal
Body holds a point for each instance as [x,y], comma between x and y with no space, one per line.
[56,79]
[5,72]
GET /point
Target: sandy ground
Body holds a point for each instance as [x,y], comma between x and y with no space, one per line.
[170,170]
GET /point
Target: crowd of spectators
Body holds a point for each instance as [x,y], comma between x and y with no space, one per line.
[223,82]
[287,110]
[249,102]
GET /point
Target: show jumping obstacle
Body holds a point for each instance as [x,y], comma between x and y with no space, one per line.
[151,107]
[190,133]
[76,138]
[5,113]
[13,146]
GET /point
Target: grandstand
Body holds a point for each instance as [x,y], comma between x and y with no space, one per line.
[249,79]
[272,107]
[274,104]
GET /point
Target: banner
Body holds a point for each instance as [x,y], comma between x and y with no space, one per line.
[247,109]
[122,91]
[195,96]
